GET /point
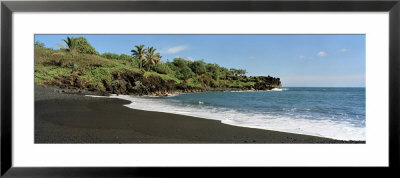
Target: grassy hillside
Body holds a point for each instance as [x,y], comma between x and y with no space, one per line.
[146,74]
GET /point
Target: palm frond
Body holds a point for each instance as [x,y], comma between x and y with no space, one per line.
[70,44]
[61,46]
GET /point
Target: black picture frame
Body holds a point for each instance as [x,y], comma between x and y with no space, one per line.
[8,7]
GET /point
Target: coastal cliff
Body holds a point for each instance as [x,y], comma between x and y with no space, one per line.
[135,83]
[80,66]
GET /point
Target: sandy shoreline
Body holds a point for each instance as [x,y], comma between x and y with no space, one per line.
[67,116]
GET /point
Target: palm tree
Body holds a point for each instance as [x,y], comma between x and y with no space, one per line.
[139,53]
[152,57]
[70,45]
[158,58]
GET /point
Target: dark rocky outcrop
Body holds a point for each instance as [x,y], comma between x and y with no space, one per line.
[267,83]
[134,83]
[129,82]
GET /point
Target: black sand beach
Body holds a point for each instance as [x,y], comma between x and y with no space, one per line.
[67,116]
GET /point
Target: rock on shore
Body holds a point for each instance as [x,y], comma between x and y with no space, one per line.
[134,83]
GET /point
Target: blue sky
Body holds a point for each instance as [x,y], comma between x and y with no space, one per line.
[299,60]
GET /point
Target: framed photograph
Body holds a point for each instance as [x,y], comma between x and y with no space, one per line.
[136,88]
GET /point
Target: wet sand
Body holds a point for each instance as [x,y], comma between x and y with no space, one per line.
[67,116]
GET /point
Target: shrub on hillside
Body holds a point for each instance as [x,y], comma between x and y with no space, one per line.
[39,44]
[125,57]
[162,69]
[205,79]
[171,65]
[198,67]
[179,62]
[110,56]
[83,46]
[73,66]
[184,73]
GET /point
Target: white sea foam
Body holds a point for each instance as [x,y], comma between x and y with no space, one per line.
[95,96]
[172,95]
[293,124]
[276,89]
[244,91]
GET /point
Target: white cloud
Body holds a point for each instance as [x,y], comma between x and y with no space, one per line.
[322,54]
[190,58]
[302,57]
[252,57]
[343,50]
[175,49]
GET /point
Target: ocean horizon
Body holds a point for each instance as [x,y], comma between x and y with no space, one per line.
[331,112]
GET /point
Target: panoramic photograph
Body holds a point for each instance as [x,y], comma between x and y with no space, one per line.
[200,88]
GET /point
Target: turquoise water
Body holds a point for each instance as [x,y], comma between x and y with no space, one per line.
[337,113]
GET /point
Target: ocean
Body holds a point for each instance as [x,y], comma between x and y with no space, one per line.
[337,113]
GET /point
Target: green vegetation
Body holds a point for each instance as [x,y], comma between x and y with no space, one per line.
[78,65]
[162,68]
[83,46]
[139,53]
[152,58]
[39,44]
[70,44]
[110,55]
[77,45]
